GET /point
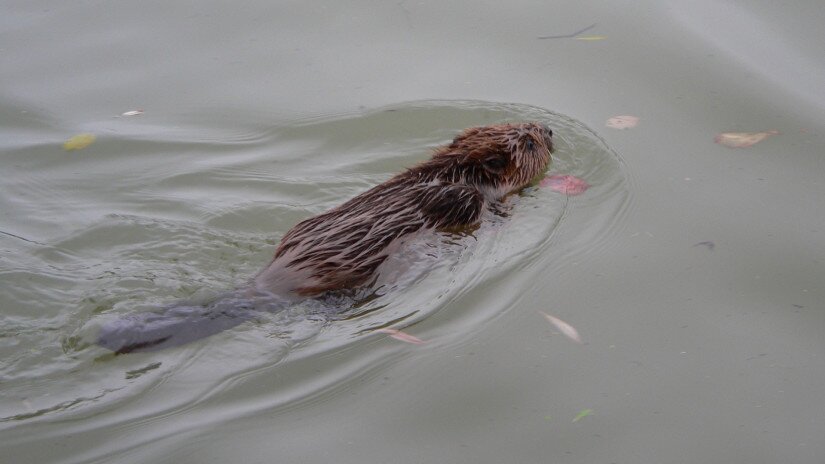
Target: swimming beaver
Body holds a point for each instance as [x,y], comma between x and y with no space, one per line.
[343,248]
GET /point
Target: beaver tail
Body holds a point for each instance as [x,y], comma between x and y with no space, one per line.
[182,322]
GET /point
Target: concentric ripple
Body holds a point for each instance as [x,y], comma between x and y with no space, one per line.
[193,228]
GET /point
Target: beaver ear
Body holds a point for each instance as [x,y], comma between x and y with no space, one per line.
[495,163]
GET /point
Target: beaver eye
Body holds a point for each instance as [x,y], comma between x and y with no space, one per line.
[529,144]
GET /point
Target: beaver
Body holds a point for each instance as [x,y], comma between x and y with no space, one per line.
[343,248]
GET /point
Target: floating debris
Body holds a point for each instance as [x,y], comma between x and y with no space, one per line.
[742,139]
[708,244]
[569,36]
[565,328]
[565,183]
[622,122]
[79,142]
[402,336]
[133,113]
[581,415]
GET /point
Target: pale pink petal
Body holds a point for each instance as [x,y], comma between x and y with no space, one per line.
[742,139]
[403,336]
[565,328]
[622,122]
[565,183]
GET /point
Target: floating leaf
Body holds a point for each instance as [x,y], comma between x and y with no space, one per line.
[622,122]
[591,37]
[563,327]
[403,336]
[581,415]
[132,113]
[742,139]
[79,141]
[565,183]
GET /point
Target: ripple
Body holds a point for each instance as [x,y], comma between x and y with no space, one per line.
[254,186]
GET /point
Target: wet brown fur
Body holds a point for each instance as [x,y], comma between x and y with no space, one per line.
[344,247]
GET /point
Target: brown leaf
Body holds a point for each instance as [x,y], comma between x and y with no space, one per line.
[622,122]
[403,336]
[742,139]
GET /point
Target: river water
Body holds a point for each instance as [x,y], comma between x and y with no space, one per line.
[692,271]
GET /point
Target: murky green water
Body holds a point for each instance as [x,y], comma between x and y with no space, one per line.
[128,259]
[693,271]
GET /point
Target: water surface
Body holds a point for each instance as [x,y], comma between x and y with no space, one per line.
[261,114]
[193,230]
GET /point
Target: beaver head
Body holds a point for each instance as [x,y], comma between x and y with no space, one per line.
[496,159]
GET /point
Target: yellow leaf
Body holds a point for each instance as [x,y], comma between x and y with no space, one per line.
[591,37]
[79,141]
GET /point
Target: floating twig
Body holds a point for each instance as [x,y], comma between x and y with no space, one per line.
[569,36]
[708,244]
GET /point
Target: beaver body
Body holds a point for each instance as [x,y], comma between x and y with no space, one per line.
[344,248]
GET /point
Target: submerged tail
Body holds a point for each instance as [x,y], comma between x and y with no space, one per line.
[182,322]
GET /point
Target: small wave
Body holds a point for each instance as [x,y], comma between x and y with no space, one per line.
[196,245]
